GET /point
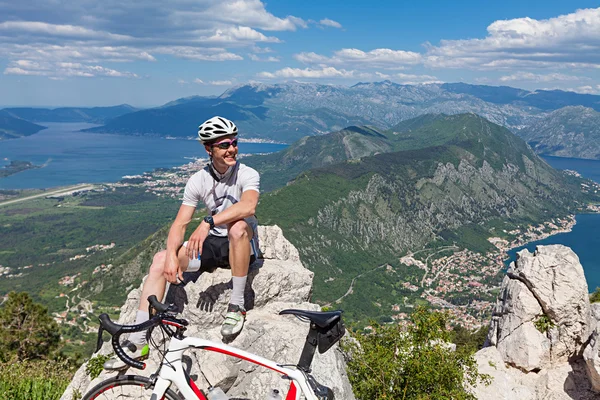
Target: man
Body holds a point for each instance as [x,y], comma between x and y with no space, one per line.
[226,236]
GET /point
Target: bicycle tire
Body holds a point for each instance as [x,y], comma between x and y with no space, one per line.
[138,388]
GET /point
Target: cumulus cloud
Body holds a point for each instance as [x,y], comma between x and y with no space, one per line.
[254,57]
[214,83]
[325,72]
[239,34]
[63,70]
[221,83]
[566,41]
[587,89]
[194,53]
[529,76]
[377,58]
[331,23]
[90,33]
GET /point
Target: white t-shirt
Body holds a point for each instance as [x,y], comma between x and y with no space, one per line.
[220,195]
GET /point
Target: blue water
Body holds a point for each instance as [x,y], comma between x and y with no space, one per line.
[72,157]
[584,239]
[587,168]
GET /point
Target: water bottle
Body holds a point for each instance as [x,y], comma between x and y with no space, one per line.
[274,395]
[216,393]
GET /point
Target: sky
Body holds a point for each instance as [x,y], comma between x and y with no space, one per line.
[146,53]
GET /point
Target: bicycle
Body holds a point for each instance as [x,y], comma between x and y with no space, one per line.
[326,329]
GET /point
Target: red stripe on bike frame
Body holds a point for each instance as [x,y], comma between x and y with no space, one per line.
[217,350]
[196,390]
[292,392]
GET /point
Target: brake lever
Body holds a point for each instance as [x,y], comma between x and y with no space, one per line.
[99,342]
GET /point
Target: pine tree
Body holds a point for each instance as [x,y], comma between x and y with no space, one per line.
[26,329]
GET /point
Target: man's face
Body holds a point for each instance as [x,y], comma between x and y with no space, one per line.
[224,150]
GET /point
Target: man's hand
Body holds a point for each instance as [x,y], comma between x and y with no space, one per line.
[195,242]
[172,271]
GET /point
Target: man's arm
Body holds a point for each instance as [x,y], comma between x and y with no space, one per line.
[174,242]
[244,208]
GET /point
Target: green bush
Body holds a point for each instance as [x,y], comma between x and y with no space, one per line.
[543,323]
[26,330]
[595,297]
[33,380]
[469,340]
[95,365]
[413,362]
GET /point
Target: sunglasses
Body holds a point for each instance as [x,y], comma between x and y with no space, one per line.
[224,145]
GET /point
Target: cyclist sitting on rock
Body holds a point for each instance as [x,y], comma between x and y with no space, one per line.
[226,237]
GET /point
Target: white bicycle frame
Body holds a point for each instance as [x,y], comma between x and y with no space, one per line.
[172,371]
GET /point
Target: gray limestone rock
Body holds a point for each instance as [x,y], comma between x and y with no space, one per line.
[591,354]
[546,285]
[525,363]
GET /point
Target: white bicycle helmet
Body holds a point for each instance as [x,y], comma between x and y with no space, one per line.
[215,128]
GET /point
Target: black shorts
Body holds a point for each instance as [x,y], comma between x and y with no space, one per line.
[215,254]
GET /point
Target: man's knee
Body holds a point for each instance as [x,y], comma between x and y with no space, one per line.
[158,263]
[238,231]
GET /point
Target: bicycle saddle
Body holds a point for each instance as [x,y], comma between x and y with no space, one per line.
[322,319]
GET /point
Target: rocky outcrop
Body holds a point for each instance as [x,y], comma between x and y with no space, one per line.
[277,282]
[542,314]
[540,326]
[591,354]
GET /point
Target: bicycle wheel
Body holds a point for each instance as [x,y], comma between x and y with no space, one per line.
[126,387]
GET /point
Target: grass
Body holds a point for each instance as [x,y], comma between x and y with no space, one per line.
[33,380]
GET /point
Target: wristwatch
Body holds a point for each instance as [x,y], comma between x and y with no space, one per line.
[209,220]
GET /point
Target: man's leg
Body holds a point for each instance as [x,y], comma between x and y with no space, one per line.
[239,234]
[155,284]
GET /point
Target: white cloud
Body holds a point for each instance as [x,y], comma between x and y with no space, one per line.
[239,34]
[254,57]
[261,50]
[411,79]
[529,76]
[72,31]
[214,83]
[331,23]
[221,83]
[326,72]
[587,89]
[90,33]
[251,13]
[571,40]
[377,58]
[63,70]
[194,53]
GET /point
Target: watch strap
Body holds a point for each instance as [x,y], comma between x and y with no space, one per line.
[209,220]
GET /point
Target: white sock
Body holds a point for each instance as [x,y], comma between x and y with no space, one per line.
[239,286]
[139,337]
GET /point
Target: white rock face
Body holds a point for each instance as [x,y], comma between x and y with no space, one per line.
[275,283]
[548,283]
[591,354]
[525,363]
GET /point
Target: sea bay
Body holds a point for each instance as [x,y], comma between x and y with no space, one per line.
[70,157]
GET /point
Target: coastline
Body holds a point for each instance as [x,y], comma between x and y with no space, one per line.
[533,234]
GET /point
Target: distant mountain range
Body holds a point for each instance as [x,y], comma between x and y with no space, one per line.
[349,213]
[287,112]
[94,115]
[21,121]
[568,132]
[12,127]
